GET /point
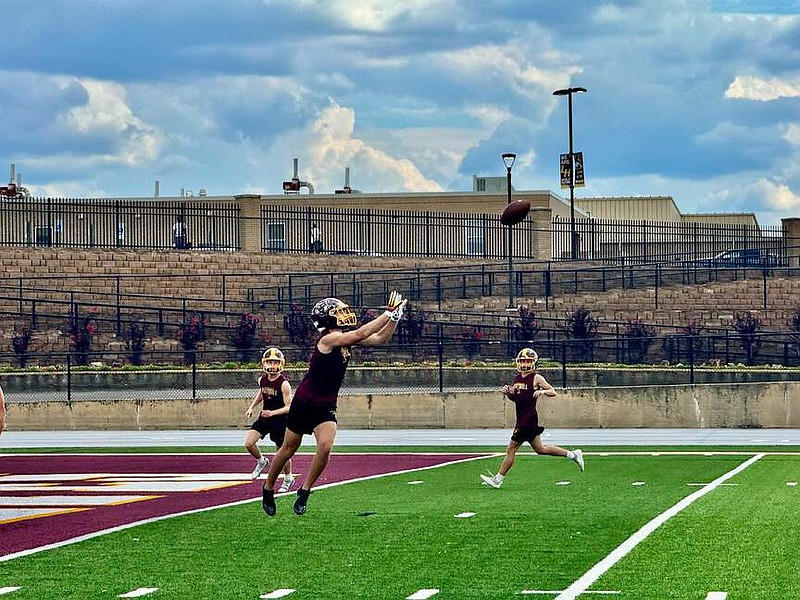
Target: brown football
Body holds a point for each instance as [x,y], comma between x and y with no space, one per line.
[514,212]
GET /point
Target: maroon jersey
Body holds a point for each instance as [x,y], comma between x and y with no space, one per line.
[271,394]
[522,397]
[324,377]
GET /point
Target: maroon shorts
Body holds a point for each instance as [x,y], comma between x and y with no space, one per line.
[526,434]
[274,426]
[304,418]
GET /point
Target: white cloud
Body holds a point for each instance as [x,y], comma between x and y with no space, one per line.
[106,114]
[366,15]
[763,90]
[776,196]
[332,147]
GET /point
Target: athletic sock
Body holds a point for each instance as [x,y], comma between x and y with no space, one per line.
[570,455]
[499,478]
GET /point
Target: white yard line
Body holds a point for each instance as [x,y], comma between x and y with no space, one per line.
[278,593]
[8,590]
[138,593]
[593,574]
[423,594]
[717,595]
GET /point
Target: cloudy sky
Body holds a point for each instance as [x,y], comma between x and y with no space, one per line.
[695,99]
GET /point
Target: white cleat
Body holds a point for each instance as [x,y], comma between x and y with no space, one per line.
[286,484]
[579,458]
[260,466]
[491,481]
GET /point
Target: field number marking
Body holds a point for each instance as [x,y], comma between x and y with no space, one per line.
[587,579]
[423,594]
[138,593]
[278,593]
[717,595]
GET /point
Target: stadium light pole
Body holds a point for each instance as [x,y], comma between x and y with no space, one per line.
[572,235]
[508,160]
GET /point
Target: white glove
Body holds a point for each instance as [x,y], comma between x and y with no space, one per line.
[395,299]
[397,313]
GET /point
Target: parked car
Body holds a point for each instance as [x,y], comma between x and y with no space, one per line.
[741,257]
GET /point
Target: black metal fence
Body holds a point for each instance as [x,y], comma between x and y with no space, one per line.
[442,365]
[663,241]
[541,280]
[212,224]
[121,224]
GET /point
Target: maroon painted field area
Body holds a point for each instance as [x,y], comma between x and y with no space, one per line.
[42,502]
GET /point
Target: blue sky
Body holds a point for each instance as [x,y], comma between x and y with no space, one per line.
[699,100]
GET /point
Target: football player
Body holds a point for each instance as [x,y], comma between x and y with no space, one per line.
[313,408]
[274,396]
[528,386]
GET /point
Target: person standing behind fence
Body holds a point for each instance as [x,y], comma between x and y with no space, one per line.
[313,408]
[316,239]
[274,396]
[179,234]
[527,388]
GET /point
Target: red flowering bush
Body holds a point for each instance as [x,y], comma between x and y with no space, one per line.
[81,332]
[244,336]
[471,339]
[190,333]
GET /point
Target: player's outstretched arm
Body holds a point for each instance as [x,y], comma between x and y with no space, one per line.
[388,320]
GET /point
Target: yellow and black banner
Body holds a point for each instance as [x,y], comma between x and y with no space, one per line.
[566,170]
[580,181]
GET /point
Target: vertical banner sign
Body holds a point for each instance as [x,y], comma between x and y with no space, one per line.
[580,181]
[566,171]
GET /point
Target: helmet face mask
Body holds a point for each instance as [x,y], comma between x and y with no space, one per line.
[332,313]
[526,361]
[272,361]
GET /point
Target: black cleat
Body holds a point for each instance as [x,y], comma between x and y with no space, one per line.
[300,503]
[268,502]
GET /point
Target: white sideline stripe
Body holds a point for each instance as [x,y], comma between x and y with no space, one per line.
[138,593]
[554,592]
[717,595]
[8,590]
[94,534]
[593,574]
[422,594]
[278,593]
[702,484]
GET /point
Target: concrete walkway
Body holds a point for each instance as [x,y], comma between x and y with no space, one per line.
[409,437]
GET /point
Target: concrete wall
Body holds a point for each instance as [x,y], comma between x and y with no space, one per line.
[768,405]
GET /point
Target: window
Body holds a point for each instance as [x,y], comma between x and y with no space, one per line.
[276,237]
[475,237]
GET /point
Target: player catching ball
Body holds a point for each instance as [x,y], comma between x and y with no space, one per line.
[313,409]
[524,392]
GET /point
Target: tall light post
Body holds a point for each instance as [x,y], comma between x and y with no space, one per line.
[508,160]
[572,235]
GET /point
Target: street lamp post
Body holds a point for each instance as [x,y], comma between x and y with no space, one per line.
[572,235]
[508,160]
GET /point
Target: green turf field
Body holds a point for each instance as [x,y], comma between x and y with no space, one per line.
[543,531]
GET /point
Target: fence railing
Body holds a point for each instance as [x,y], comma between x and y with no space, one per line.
[441,366]
[545,280]
[213,224]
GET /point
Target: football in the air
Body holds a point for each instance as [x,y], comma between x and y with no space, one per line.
[514,212]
